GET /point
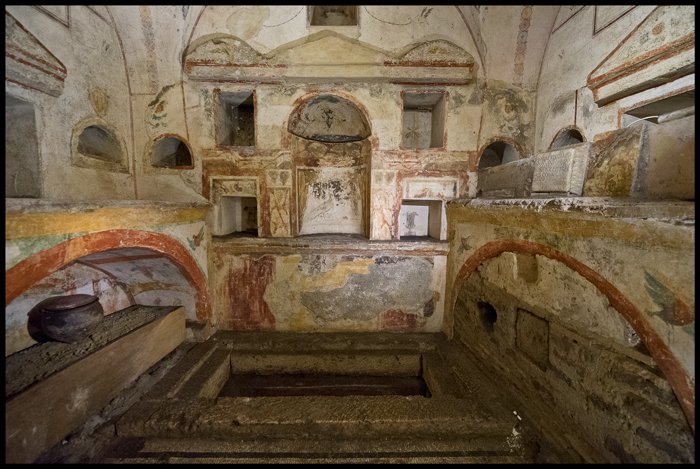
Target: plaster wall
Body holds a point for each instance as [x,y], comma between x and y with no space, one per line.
[94,88]
[563,97]
[328,284]
[43,239]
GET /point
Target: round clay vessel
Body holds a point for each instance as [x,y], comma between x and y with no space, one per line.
[70,318]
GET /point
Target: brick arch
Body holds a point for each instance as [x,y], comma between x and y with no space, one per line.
[26,273]
[668,363]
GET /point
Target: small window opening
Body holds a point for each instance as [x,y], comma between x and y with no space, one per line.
[423,120]
[237,119]
[498,153]
[333,15]
[171,152]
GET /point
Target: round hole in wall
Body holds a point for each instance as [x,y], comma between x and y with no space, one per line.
[487,314]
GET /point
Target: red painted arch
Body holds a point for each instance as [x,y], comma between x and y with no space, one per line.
[26,273]
[665,359]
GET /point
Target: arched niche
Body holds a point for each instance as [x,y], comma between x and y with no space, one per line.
[331,154]
[170,151]
[329,118]
[566,137]
[497,153]
[96,145]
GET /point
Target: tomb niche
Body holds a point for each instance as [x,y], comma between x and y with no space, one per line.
[331,154]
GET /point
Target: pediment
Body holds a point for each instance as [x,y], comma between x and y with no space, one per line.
[28,62]
[659,50]
[330,48]
[435,53]
[220,49]
[327,55]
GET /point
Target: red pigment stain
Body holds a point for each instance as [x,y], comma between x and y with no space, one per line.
[395,320]
[246,288]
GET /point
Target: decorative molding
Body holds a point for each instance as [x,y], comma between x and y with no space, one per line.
[29,63]
[323,55]
[651,55]
[573,11]
[55,13]
[599,27]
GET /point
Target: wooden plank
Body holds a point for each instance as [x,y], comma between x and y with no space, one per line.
[46,412]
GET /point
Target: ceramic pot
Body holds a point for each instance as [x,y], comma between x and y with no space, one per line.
[70,318]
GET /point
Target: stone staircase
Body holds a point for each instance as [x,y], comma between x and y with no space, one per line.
[183,419]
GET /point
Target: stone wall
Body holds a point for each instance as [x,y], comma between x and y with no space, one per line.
[554,308]
[597,400]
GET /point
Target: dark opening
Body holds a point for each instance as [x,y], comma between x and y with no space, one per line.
[488,315]
[171,152]
[97,142]
[256,385]
[565,138]
[237,119]
[499,152]
[333,15]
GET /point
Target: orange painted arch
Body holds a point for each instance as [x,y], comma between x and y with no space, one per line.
[26,273]
[682,384]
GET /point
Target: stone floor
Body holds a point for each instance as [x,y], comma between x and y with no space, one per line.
[177,412]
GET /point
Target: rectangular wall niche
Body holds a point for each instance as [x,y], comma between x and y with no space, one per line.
[237,215]
[420,219]
[22,177]
[333,15]
[423,120]
[236,126]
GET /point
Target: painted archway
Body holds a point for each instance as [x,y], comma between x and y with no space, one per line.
[667,362]
[26,273]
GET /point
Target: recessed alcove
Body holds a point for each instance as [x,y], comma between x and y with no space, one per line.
[420,219]
[171,152]
[333,15]
[498,153]
[97,142]
[237,215]
[22,177]
[236,121]
[565,138]
[423,120]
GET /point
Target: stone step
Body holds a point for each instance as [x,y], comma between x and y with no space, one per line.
[318,417]
[427,450]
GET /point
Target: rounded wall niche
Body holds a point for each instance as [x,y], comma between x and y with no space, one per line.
[566,137]
[96,145]
[329,119]
[497,153]
[171,152]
